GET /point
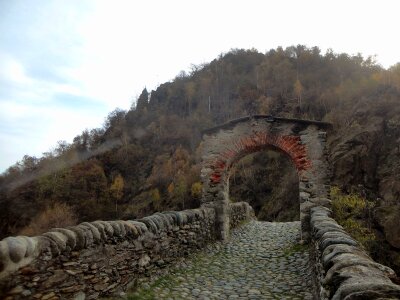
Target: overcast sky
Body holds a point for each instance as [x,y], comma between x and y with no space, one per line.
[64,65]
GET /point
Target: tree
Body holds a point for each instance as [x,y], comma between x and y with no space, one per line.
[196,190]
[142,101]
[29,163]
[298,90]
[155,198]
[171,189]
[117,191]
[190,90]
[114,119]
[180,190]
[82,142]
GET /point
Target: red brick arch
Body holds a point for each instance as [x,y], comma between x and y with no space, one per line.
[289,144]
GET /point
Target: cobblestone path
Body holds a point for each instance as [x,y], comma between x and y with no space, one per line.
[262,260]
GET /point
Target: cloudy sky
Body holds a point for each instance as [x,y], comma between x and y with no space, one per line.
[65,64]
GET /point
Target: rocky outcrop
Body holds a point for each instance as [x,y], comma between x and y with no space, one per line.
[388,218]
[354,154]
[365,158]
[104,257]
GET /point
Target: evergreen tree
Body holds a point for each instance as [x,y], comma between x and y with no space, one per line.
[143,100]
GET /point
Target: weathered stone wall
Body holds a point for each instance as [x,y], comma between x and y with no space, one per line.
[343,268]
[314,182]
[103,257]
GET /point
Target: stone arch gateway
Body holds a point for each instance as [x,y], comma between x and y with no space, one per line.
[302,140]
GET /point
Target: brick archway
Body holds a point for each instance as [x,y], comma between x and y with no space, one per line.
[302,140]
[258,141]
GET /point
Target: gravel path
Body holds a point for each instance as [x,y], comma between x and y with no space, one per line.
[262,260]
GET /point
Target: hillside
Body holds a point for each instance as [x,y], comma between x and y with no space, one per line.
[145,159]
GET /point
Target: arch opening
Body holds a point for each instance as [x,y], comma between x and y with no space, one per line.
[258,141]
[269,182]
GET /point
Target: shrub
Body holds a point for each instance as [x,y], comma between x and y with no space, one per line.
[353,213]
[155,199]
[56,215]
[196,189]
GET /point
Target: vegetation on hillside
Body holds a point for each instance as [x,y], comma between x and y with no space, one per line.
[145,159]
[354,213]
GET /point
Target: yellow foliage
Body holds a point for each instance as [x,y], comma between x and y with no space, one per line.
[196,189]
[190,89]
[358,231]
[264,104]
[117,187]
[298,88]
[350,211]
[155,195]
[346,206]
[180,188]
[171,189]
[155,198]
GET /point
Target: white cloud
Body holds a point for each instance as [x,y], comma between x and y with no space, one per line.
[65,64]
[14,71]
[41,127]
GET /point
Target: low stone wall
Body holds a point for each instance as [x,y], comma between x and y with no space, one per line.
[103,257]
[344,270]
[239,212]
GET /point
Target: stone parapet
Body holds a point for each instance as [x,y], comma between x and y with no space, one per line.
[103,257]
[240,212]
[344,270]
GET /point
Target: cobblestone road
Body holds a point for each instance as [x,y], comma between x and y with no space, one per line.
[262,260]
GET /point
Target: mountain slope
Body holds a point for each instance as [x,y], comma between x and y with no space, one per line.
[146,159]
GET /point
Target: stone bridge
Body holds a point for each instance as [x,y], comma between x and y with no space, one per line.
[227,253]
[301,140]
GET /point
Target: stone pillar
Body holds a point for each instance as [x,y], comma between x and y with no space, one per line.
[314,182]
[222,219]
[221,207]
[215,187]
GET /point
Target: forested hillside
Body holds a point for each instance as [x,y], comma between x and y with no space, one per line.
[146,159]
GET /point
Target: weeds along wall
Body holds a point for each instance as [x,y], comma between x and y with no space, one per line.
[104,257]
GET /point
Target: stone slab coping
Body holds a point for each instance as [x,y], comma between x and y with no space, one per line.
[19,251]
[269,118]
[349,272]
